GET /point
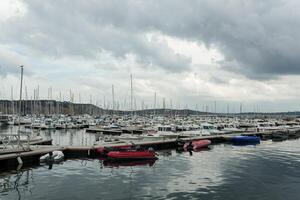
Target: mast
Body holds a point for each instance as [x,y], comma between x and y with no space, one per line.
[154,104]
[12,99]
[131,108]
[26,102]
[227,109]
[113,97]
[20,104]
[215,104]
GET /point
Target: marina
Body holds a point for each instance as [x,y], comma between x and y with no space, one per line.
[89,140]
[138,100]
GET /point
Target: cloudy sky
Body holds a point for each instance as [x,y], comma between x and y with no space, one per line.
[194,54]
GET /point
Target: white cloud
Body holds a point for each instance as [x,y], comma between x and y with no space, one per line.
[10,9]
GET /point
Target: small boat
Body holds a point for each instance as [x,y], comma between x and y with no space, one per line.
[105,150]
[56,157]
[197,144]
[279,137]
[244,140]
[131,155]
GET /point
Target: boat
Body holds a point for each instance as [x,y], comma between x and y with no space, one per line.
[197,144]
[279,137]
[131,155]
[57,156]
[105,150]
[244,140]
[4,119]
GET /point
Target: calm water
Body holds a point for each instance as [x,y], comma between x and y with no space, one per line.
[266,171]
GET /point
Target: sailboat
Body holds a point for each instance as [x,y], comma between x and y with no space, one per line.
[28,135]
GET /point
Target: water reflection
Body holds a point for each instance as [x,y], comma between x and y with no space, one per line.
[72,137]
[130,163]
[19,183]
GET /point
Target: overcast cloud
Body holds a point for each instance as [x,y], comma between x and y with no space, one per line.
[193,52]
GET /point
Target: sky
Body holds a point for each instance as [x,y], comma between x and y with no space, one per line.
[209,55]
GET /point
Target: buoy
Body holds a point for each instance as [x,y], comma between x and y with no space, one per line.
[19,159]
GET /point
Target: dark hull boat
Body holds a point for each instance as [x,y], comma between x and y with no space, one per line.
[279,137]
[245,140]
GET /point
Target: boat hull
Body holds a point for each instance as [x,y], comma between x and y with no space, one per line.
[105,150]
[131,155]
[245,140]
[197,144]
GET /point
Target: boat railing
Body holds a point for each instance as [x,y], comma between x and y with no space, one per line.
[12,141]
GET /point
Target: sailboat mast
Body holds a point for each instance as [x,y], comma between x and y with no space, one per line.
[12,100]
[131,108]
[20,104]
[113,97]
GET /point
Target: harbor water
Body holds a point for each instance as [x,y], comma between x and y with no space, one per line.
[269,170]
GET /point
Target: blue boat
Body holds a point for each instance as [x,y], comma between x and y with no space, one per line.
[245,140]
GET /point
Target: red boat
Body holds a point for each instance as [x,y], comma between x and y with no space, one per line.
[197,144]
[131,155]
[105,150]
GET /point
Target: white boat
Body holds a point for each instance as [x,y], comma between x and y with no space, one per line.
[128,137]
[57,156]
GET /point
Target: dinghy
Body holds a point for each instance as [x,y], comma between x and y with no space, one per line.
[56,157]
[245,140]
[197,144]
[105,150]
[131,155]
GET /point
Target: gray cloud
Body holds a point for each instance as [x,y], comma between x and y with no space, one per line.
[81,29]
[9,64]
[257,38]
